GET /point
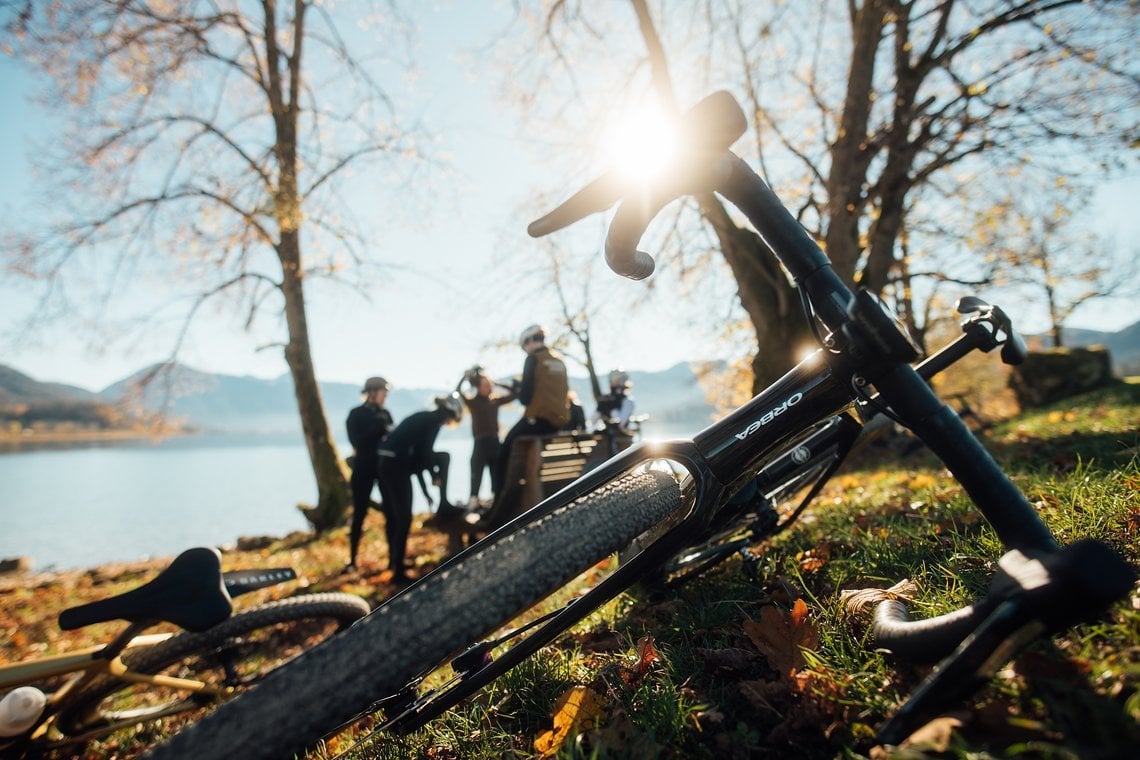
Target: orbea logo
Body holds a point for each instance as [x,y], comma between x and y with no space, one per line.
[770,415]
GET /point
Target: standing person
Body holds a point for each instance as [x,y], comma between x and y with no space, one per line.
[484,408]
[408,450]
[616,407]
[544,390]
[367,424]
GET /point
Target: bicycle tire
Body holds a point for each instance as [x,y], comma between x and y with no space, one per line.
[264,637]
[432,620]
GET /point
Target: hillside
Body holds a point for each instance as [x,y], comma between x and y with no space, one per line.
[18,388]
[1123,345]
[230,403]
[55,409]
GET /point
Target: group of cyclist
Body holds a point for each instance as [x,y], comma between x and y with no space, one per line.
[388,456]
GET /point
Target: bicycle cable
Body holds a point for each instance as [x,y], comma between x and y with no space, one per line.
[874,403]
[813,323]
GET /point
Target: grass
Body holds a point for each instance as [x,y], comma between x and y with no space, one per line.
[716,689]
[763,656]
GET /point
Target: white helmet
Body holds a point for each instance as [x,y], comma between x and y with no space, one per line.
[534,332]
[450,404]
[619,378]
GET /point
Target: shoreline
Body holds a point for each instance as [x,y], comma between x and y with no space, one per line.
[23,438]
[32,577]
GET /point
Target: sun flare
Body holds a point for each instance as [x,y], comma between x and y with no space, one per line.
[642,145]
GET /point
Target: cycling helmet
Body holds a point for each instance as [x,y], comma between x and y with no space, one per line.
[472,375]
[450,404]
[619,378]
[534,332]
[376,384]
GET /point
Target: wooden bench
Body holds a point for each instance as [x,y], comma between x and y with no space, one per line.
[538,467]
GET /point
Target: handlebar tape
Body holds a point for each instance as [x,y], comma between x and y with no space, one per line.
[1060,589]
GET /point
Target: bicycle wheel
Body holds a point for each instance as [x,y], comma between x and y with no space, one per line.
[234,654]
[421,628]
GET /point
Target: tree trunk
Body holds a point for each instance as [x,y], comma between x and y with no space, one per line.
[332,490]
[764,292]
[850,154]
[767,297]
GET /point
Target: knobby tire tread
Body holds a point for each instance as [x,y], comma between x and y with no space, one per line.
[83,711]
[433,620]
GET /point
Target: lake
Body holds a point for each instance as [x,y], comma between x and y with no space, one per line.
[86,505]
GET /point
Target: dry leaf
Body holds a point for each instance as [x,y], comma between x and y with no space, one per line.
[731,658]
[758,693]
[576,710]
[856,602]
[935,735]
[646,656]
[781,636]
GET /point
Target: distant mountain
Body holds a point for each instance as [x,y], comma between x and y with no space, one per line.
[18,388]
[1123,345]
[27,404]
[229,403]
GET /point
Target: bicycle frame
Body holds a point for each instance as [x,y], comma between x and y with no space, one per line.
[720,459]
[87,664]
[865,347]
[865,357]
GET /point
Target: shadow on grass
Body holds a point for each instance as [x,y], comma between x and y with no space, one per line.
[1107,450]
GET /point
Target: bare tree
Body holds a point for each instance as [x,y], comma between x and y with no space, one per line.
[575,290]
[861,111]
[209,142]
[1045,247]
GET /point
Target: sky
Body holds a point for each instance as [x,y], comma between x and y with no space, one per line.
[433,314]
[445,300]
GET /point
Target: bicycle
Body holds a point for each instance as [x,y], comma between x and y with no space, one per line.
[754,513]
[865,362]
[140,677]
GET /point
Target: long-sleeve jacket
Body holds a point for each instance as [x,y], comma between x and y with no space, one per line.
[367,426]
[413,440]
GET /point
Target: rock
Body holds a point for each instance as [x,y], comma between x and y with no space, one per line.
[1057,373]
[253,543]
[16,565]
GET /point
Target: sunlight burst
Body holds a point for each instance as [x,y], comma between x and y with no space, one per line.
[642,145]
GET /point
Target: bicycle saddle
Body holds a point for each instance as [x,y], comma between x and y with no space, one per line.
[189,593]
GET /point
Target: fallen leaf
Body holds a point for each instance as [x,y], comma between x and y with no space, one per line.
[935,735]
[920,482]
[781,637]
[576,710]
[857,602]
[732,658]
[761,693]
[646,656]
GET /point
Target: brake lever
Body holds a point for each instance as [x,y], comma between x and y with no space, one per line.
[713,124]
[1013,348]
